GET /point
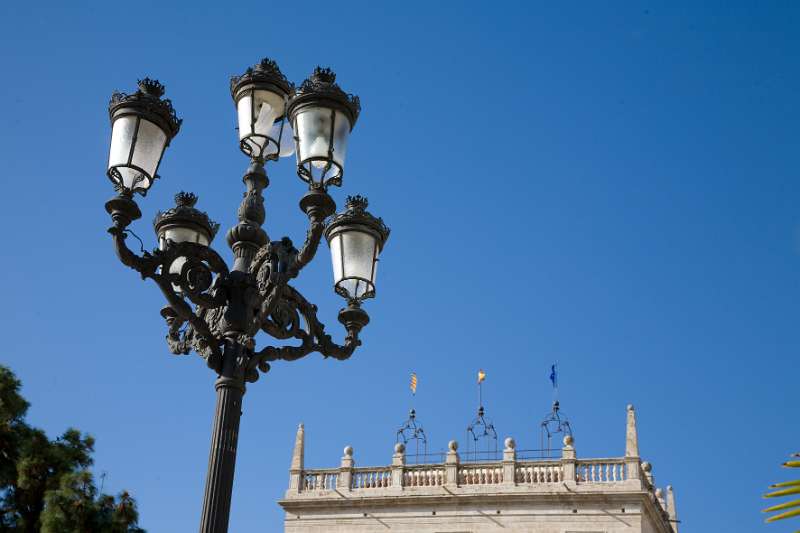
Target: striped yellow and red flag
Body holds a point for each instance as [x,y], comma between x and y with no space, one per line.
[413,383]
[481,376]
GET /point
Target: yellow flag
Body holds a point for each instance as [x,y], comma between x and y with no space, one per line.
[481,376]
[413,383]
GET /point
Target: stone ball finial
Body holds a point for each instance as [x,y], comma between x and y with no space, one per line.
[399,448]
[630,407]
[348,451]
[568,440]
[647,467]
[452,445]
[300,425]
[509,443]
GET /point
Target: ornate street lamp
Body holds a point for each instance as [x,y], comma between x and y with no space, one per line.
[217,311]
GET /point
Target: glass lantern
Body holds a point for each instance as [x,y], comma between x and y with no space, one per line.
[322,116]
[356,239]
[260,95]
[142,126]
[183,223]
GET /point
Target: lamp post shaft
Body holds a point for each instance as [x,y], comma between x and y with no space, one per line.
[222,457]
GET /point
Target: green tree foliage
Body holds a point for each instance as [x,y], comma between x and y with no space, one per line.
[46,485]
[791,508]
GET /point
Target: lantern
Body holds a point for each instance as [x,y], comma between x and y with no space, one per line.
[322,116]
[142,126]
[183,223]
[260,96]
[356,239]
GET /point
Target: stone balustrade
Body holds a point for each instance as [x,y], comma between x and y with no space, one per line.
[538,472]
[480,474]
[319,480]
[423,475]
[600,470]
[453,472]
[371,478]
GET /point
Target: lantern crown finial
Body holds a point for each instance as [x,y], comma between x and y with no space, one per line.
[322,85]
[148,103]
[265,73]
[185,213]
[356,213]
[151,87]
[323,75]
[357,203]
[185,199]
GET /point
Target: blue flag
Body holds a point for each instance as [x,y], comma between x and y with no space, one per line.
[553,376]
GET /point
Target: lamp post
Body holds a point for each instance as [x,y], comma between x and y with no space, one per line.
[217,311]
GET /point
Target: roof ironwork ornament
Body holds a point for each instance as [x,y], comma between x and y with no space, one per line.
[411,431]
[554,424]
[481,430]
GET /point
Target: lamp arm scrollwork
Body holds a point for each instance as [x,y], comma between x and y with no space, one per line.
[194,280]
[145,264]
[285,322]
[318,205]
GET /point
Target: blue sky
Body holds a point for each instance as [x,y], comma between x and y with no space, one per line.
[611,187]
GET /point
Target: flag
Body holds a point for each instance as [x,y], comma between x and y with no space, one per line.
[481,376]
[553,376]
[413,383]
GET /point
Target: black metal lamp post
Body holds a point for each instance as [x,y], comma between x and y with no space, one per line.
[216,311]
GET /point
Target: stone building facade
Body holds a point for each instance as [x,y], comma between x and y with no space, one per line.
[512,495]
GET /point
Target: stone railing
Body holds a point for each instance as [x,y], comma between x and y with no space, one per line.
[539,472]
[423,475]
[321,479]
[453,473]
[371,478]
[600,470]
[480,474]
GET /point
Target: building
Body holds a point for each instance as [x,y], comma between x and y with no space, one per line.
[512,495]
